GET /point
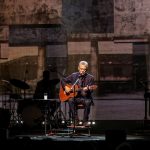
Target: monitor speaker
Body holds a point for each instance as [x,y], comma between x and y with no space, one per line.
[4,118]
[115,135]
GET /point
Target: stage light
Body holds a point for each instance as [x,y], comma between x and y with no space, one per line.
[21,122]
[80,122]
[89,122]
[63,122]
[93,122]
[43,122]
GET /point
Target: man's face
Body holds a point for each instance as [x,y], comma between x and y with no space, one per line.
[82,69]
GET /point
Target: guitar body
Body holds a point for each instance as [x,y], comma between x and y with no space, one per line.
[66,96]
[63,96]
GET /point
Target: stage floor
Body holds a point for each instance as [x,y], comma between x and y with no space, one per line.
[119,119]
[111,140]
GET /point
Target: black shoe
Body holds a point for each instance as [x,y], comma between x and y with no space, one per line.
[76,122]
[86,124]
[72,124]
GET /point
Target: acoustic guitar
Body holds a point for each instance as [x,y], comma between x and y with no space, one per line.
[66,96]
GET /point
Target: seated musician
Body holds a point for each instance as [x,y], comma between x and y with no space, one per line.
[84,81]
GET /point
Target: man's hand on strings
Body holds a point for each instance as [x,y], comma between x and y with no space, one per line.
[67,89]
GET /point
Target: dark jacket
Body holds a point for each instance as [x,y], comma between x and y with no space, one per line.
[80,81]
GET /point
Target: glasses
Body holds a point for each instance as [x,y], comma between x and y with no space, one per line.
[83,69]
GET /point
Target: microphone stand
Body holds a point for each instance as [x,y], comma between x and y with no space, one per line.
[73,88]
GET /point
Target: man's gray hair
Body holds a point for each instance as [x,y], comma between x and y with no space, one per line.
[85,63]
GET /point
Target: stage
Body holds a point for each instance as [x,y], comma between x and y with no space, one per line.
[108,140]
[119,120]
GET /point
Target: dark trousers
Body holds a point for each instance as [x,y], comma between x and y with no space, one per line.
[73,109]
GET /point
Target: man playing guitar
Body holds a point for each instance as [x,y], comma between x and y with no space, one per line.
[77,88]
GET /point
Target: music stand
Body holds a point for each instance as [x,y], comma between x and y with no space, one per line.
[45,117]
[52,115]
[44,105]
[48,114]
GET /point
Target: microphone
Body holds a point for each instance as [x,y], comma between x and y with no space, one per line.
[81,76]
[75,82]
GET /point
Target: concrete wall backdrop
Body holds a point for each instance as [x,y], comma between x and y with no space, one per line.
[114,25]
